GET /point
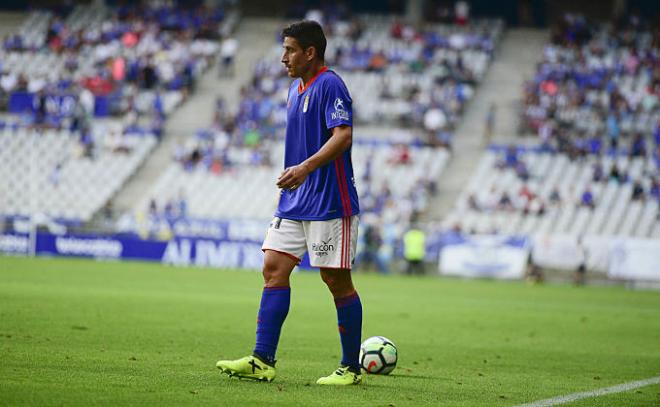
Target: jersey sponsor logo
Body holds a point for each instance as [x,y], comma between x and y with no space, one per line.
[322,249]
[306,104]
[340,112]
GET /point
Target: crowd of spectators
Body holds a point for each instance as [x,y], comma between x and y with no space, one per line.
[226,146]
[227,143]
[248,136]
[119,53]
[596,89]
[595,98]
[440,65]
[399,75]
[529,199]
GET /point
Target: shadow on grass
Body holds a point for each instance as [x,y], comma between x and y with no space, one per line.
[290,384]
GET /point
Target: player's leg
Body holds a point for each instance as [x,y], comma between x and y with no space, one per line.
[283,247]
[349,314]
[335,262]
[275,300]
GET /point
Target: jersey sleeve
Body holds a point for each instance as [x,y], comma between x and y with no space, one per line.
[338,105]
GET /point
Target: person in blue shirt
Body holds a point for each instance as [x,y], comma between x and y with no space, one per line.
[317,210]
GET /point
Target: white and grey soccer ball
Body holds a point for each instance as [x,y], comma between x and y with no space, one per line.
[378,355]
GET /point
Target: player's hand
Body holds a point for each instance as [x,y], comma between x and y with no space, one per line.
[293,177]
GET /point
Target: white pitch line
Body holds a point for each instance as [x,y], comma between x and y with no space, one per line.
[619,388]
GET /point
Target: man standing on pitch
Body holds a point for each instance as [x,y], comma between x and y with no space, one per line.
[317,211]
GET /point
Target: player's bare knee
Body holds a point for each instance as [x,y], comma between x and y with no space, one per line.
[339,282]
[328,278]
[274,274]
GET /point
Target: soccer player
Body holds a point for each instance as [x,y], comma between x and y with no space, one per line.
[317,211]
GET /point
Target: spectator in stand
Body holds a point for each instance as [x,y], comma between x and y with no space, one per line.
[56,175]
[148,76]
[510,157]
[521,171]
[654,191]
[473,204]
[638,191]
[505,203]
[228,49]
[526,193]
[555,197]
[599,172]
[153,207]
[638,147]
[176,208]
[587,199]
[400,155]
[434,121]
[615,174]
[40,109]
[462,12]
[9,81]
[613,130]
[86,143]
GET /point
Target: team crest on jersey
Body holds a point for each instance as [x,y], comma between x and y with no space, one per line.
[306,104]
[340,112]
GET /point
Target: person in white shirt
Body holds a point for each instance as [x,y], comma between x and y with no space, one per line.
[228,49]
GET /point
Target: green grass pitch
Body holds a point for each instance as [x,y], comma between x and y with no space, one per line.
[77,332]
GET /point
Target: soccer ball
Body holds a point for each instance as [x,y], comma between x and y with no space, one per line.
[378,355]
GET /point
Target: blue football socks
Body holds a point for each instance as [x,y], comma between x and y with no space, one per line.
[272,313]
[349,319]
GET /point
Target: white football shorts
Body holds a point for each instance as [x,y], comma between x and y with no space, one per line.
[330,243]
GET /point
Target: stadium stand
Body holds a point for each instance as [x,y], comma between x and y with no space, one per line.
[64,69]
[407,77]
[402,80]
[395,182]
[125,57]
[596,87]
[595,172]
[557,195]
[590,172]
[242,152]
[66,175]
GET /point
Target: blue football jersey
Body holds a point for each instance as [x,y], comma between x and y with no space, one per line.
[329,191]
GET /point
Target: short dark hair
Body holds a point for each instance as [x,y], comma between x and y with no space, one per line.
[308,34]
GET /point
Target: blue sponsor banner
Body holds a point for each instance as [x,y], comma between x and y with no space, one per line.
[20,102]
[179,251]
[59,104]
[56,104]
[14,243]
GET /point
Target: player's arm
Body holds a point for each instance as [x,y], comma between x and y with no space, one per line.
[340,141]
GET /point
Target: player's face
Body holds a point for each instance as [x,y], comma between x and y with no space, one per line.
[294,58]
